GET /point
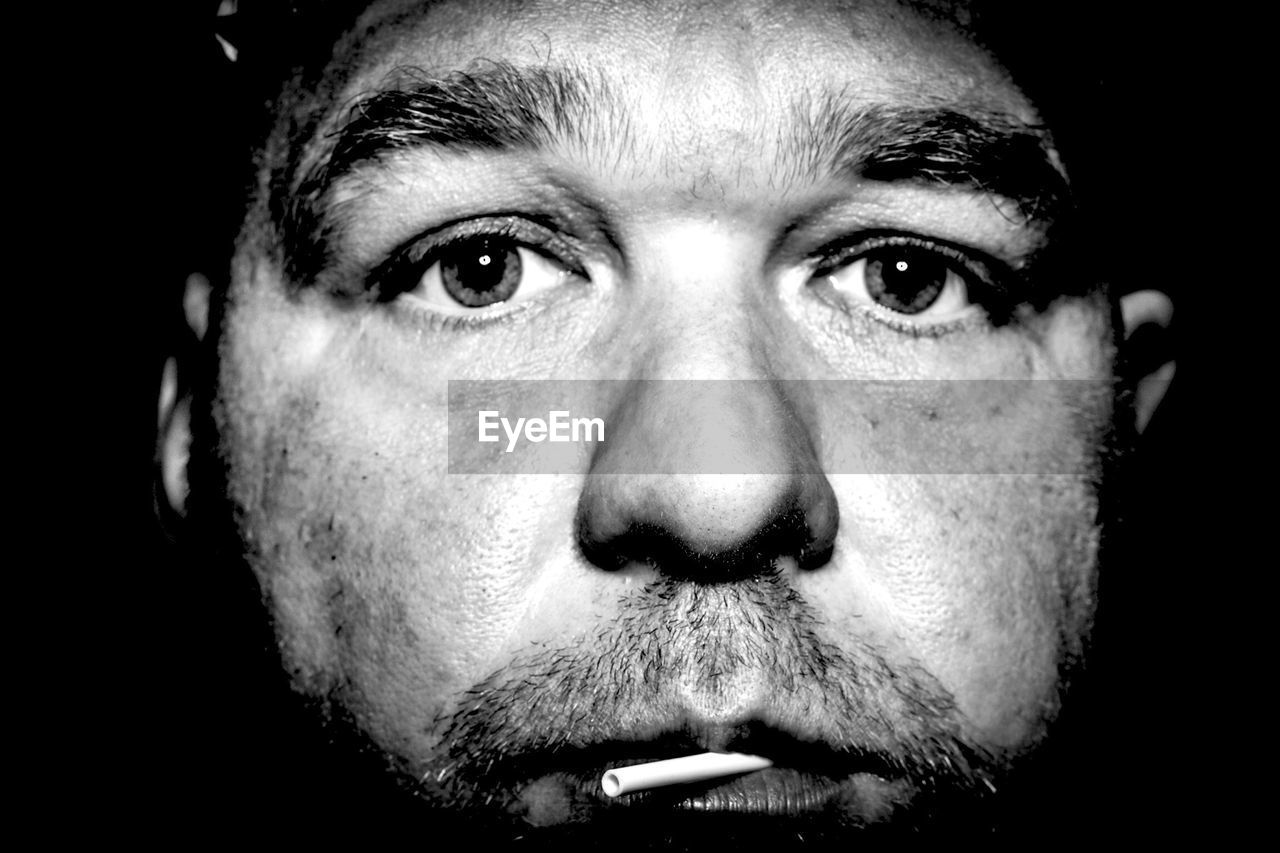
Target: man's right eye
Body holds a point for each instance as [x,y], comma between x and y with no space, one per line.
[477,272]
[471,270]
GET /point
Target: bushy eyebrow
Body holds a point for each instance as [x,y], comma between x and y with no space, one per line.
[969,148]
[500,107]
[493,108]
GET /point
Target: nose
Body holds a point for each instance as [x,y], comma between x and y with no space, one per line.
[707,481]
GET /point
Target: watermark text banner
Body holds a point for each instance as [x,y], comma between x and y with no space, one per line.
[760,426]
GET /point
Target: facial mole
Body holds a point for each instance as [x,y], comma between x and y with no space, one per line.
[545,802]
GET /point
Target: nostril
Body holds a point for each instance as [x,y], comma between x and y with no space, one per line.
[601,547]
[817,509]
[683,551]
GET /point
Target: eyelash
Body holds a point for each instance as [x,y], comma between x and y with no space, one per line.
[987,270]
[401,272]
[989,280]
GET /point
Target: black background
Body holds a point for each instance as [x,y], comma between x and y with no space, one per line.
[196,740]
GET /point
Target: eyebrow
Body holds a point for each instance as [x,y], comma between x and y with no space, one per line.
[494,108]
[500,107]
[947,147]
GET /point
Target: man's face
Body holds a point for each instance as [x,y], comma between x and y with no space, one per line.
[843,212]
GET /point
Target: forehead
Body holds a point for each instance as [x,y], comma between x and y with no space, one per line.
[681,65]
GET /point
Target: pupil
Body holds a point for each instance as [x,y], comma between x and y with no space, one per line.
[904,280]
[481,271]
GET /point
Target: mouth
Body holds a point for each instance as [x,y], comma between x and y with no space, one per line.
[776,791]
[806,779]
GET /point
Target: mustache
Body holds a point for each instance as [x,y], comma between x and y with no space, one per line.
[638,691]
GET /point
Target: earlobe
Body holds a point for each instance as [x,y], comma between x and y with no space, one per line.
[173,447]
[195,304]
[1147,315]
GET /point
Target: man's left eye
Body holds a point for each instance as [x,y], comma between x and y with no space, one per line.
[904,278]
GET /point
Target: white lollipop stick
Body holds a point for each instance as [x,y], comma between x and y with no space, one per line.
[678,771]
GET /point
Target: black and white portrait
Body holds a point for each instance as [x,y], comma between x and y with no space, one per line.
[682,424]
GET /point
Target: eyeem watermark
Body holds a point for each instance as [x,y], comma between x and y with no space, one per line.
[694,427]
[558,427]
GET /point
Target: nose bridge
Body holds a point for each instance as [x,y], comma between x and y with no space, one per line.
[700,291]
[730,428]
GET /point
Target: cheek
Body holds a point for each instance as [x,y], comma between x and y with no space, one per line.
[1006,597]
[378,591]
[984,583]
[969,547]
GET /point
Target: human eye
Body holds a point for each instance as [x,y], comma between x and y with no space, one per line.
[910,282]
[478,268]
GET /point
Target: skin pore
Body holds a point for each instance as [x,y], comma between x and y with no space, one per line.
[891,587]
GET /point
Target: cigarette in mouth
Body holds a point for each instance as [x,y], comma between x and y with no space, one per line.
[678,771]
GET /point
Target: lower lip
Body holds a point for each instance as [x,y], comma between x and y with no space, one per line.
[773,791]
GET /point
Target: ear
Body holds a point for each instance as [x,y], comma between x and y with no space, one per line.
[1147,315]
[174,429]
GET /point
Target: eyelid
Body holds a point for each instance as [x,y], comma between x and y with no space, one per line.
[400,272]
[991,274]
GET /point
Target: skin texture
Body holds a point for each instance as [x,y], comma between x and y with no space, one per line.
[939,624]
